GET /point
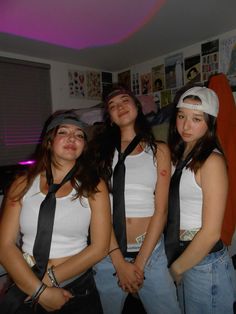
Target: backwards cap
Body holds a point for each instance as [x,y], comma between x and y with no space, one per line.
[209,100]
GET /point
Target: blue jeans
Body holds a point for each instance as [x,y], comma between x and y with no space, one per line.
[209,287]
[158,293]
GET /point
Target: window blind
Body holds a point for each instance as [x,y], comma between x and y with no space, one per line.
[25,104]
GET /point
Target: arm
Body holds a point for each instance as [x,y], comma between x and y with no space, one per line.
[11,256]
[158,220]
[214,183]
[100,229]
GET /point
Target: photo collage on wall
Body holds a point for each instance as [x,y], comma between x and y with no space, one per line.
[88,84]
[210,59]
[165,79]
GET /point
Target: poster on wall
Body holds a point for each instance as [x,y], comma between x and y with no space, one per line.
[228,59]
[157,100]
[94,85]
[124,78]
[106,82]
[146,86]
[135,84]
[77,87]
[158,78]
[210,59]
[192,69]
[174,71]
[166,97]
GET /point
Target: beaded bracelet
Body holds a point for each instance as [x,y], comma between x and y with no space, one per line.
[52,277]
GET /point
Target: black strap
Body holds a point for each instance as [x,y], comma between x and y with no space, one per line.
[43,237]
[172,244]
[119,219]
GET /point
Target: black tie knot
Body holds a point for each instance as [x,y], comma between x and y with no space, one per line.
[121,157]
[53,188]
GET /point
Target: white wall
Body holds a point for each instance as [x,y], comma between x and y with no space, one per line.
[59,82]
[188,51]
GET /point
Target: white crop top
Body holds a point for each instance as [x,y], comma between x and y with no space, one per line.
[71,222]
[190,201]
[140,182]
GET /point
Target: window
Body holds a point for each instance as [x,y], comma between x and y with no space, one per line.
[25,104]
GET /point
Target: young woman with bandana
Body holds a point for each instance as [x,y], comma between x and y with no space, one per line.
[81,205]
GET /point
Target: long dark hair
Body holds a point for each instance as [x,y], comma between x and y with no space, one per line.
[85,179]
[203,147]
[104,140]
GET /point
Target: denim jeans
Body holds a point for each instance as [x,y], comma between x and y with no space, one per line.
[158,293]
[86,299]
[209,287]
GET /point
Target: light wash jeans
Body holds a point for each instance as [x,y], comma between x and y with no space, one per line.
[209,287]
[158,293]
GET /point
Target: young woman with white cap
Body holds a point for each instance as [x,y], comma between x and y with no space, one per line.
[199,262]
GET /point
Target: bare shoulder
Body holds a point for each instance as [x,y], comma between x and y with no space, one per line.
[214,161]
[17,187]
[214,169]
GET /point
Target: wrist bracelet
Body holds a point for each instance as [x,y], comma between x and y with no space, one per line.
[117,248]
[35,296]
[52,277]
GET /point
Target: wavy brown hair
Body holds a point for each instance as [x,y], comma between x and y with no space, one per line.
[106,136]
[85,180]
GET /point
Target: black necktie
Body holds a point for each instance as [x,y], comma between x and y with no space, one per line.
[119,220]
[43,237]
[172,245]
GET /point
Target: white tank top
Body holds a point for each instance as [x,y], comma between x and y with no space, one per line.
[71,222]
[190,201]
[140,183]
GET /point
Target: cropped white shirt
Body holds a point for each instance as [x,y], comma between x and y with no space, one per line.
[71,223]
[140,182]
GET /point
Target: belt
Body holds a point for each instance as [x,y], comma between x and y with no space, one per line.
[131,254]
[217,247]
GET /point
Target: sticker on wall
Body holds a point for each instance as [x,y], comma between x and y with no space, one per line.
[174,71]
[94,85]
[210,59]
[76,84]
[192,69]
[158,78]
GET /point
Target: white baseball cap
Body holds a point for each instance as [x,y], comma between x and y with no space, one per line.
[209,100]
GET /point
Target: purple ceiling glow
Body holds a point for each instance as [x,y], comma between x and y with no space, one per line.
[76,24]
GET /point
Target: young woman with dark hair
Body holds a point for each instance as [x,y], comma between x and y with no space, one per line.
[199,262]
[137,261]
[81,204]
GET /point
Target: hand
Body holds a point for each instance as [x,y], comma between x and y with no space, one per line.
[175,275]
[130,277]
[54,298]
